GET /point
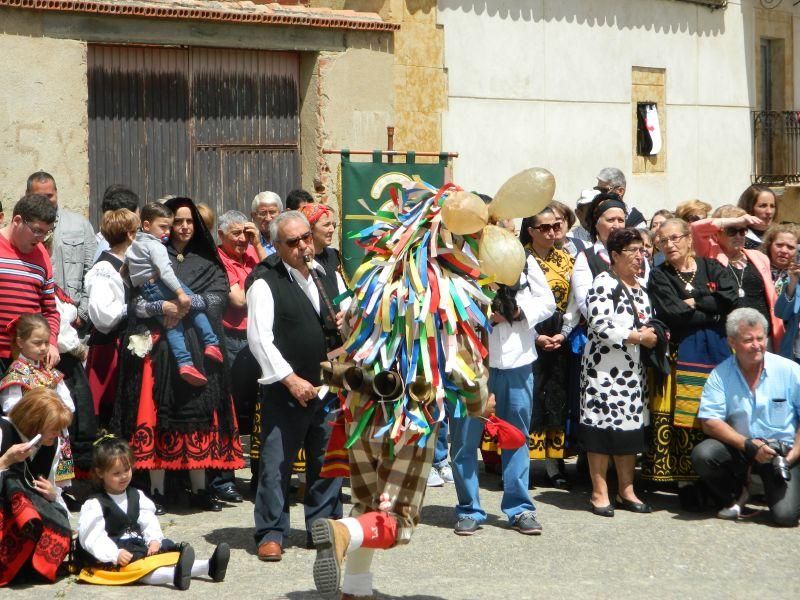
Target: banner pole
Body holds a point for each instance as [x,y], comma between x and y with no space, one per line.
[394,153]
[390,142]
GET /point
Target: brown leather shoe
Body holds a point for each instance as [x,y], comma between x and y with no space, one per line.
[269,552]
[331,539]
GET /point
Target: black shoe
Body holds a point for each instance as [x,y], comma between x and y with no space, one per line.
[637,507]
[205,500]
[560,482]
[603,511]
[183,568]
[218,563]
[228,494]
[160,500]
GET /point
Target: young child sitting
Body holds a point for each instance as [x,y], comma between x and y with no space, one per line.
[30,341]
[150,270]
[120,538]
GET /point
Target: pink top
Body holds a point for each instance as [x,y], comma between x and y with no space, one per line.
[237,270]
[704,234]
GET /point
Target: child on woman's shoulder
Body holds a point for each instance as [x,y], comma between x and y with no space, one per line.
[120,538]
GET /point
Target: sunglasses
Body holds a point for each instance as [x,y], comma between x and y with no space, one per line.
[693,218]
[295,242]
[734,231]
[548,227]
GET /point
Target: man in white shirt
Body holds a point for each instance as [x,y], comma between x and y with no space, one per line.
[512,352]
[290,331]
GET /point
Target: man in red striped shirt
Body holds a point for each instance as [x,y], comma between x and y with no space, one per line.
[26,275]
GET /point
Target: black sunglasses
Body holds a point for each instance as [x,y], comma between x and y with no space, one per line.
[547,227]
[734,231]
[294,242]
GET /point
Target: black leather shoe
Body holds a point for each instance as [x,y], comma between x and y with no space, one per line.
[637,507]
[205,500]
[228,494]
[161,502]
[603,511]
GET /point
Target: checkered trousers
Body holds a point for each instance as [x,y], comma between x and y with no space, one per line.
[403,478]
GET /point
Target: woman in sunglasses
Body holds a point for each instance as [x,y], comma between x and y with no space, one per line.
[552,395]
[722,237]
[761,202]
[693,296]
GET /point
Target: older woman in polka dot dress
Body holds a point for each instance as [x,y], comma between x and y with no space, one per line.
[613,399]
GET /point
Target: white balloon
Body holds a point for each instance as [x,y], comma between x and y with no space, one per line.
[524,195]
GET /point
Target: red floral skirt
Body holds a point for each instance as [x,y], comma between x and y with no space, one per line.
[154,448]
[26,536]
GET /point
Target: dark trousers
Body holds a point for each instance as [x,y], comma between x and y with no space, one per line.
[724,470]
[286,427]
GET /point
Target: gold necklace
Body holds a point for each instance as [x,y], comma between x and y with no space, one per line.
[687,283]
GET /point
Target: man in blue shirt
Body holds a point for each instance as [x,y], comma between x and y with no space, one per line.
[750,399]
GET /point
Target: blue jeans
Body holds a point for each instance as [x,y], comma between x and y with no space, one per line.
[177,345]
[440,451]
[513,390]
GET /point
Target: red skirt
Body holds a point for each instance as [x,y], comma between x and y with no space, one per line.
[25,536]
[101,370]
[154,448]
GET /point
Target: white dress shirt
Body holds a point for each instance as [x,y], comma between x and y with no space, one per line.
[92,526]
[106,292]
[512,345]
[261,318]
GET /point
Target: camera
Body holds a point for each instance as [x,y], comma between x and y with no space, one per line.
[505,302]
[779,464]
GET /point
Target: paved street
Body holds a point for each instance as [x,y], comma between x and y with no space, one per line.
[579,555]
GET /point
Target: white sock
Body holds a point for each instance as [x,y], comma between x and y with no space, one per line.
[197,477]
[157,481]
[357,579]
[551,467]
[200,568]
[161,576]
[356,533]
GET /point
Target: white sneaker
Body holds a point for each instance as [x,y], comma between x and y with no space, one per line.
[446,473]
[434,479]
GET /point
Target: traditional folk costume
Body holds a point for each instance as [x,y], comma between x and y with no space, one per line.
[24,375]
[417,303]
[109,523]
[170,424]
[698,344]
[33,530]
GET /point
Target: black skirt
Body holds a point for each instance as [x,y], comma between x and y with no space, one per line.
[615,442]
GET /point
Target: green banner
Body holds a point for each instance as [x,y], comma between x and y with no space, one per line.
[365,186]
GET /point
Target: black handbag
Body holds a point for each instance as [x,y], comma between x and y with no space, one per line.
[657,357]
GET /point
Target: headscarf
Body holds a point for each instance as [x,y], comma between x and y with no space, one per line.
[601,204]
[314,212]
[202,241]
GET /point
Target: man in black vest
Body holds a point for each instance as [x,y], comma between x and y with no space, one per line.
[290,331]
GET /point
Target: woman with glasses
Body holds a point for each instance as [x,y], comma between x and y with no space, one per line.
[613,411]
[693,296]
[552,401]
[172,425]
[34,522]
[761,202]
[722,237]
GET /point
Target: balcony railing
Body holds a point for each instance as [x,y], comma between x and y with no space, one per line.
[776,147]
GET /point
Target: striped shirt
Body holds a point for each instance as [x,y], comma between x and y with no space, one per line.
[26,285]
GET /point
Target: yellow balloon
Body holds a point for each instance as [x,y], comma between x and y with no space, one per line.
[501,255]
[464,213]
[524,195]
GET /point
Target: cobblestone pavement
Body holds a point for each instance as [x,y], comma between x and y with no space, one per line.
[668,554]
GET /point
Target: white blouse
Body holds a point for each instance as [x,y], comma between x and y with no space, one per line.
[106,292]
[92,526]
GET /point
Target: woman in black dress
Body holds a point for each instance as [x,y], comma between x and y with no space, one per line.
[693,296]
[172,425]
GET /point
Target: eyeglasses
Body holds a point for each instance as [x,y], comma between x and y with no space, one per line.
[638,250]
[294,242]
[674,239]
[548,227]
[734,231]
[43,235]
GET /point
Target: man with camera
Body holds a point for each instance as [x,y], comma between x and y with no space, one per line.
[750,409]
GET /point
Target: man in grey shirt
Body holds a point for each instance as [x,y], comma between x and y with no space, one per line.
[73,245]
